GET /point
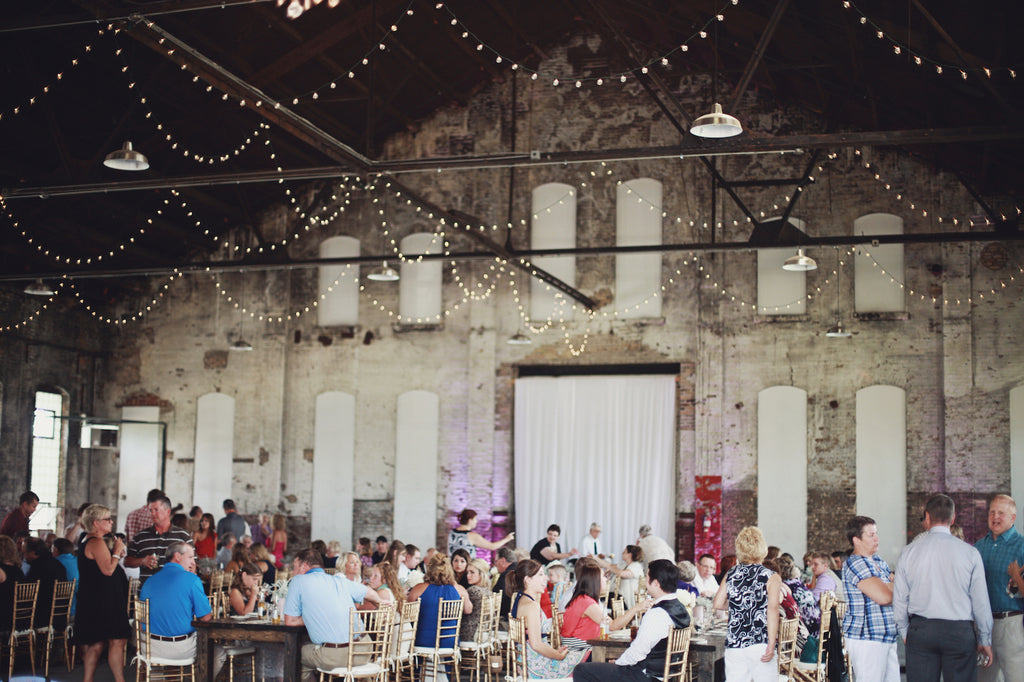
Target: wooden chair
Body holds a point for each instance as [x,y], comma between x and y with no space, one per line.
[449,618]
[787,647]
[153,667]
[403,638]
[516,660]
[59,628]
[134,585]
[816,672]
[368,655]
[677,653]
[476,651]
[557,620]
[245,652]
[618,607]
[21,630]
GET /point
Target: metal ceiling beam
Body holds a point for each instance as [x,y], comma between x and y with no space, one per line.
[688,149]
[755,58]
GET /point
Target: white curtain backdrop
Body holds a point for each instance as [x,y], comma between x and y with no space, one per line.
[594,448]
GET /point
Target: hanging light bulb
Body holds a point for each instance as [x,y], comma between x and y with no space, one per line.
[294,10]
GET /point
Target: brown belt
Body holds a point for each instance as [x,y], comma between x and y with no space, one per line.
[176,638]
[334,645]
[1005,614]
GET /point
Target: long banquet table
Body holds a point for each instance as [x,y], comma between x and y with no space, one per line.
[252,629]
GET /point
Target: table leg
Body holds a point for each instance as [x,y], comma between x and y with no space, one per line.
[204,656]
[292,657]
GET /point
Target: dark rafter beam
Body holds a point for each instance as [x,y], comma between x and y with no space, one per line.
[804,181]
[755,58]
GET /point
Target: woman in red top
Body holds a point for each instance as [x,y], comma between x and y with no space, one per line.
[205,538]
[584,613]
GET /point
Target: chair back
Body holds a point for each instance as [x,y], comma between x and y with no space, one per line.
[557,620]
[787,645]
[142,629]
[618,607]
[449,618]
[487,615]
[558,592]
[375,627]
[405,630]
[24,605]
[516,655]
[60,611]
[641,589]
[677,652]
[134,585]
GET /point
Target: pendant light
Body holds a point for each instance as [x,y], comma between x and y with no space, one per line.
[240,344]
[838,331]
[800,262]
[126,159]
[716,124]
[519,339]
[39,288]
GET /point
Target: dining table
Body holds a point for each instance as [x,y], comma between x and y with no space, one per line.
[254,629]
[707,652]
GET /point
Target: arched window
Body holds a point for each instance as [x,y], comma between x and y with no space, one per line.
[553,227]
[420,286]
[782,467]
[878,270]
[416,452]
[338,290]
[780,292]
[638,223]
[49,449]
[215,450]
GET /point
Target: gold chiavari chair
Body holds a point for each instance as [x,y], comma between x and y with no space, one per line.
[403,639]
[446,639]
[153,668]
[476,650]
[21,623]
[787,647]
[368,655]
[677,652]
[59,628]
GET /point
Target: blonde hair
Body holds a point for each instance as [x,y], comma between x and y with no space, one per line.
[9,551]
[751,547]
[278,522]
[260,552]
[483,569]
[439,571]
[92,514]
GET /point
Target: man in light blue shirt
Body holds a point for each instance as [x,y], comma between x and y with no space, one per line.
[1002,551]
[176,597]
[322,603]
[939,598]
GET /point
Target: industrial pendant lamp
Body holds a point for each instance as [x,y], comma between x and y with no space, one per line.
[800,262]
[838,331]
[716,124]
[126,159]
[519,339]
[384,273]
[240,344]
[39,288]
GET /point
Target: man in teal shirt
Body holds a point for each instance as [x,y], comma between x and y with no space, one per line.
[1002,552]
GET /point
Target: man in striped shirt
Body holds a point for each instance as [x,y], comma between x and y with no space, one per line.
[148,549]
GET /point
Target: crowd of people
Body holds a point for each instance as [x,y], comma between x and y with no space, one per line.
[956,606]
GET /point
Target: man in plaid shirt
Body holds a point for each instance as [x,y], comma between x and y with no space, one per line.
[1002,552]
[869,626]
[142,518]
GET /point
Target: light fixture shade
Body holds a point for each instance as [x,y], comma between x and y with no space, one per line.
[519,339]
[384,273]
[126,159]
[716,124]
[800,262]
[838,331]
[39,288]
[241,344]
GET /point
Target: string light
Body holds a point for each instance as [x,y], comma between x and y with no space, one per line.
[35,314]
[128,318]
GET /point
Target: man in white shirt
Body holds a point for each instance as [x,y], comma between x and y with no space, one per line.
[590,545]
[653,547]
[705,579]
[644,660]
[410,560]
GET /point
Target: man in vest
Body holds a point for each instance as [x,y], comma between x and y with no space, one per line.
[645,658]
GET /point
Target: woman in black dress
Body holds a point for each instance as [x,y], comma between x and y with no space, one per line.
[102,613]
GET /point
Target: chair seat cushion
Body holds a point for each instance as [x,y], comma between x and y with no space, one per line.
[178,662]
[430,651]
[807,667]
[474,646]
[364,670]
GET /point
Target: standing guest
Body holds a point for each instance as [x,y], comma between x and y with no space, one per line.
[102,613]
[629,573]
[869,626]
[838,560]
[751,593]
[1002,553]
[529,582]
[381,553]
[365,549]
[644,660]
[232,522]
[142,518]
[179,520]
[205,538]
[705,581]
[505,562]
[261,557]
[195,515]
[47,570]
[227,548]
[245,590]
[825,579]
[940,601]
[460,564]
[10,565]
[17,519]
[73,531]
[590,545]
[66,556]
[176,598]
[261,530]
[464,535]
[653,547]
[548,549]
[278,540]
[322,603]
[147,550]
[476,589]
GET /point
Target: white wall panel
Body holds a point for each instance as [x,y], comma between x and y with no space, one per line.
[879,269]
[420,287]
[782,467]
[333,467]
[553,211]
[882,464]
[215,450]
[338,284]
[638,223]
[416,455]
[139,462]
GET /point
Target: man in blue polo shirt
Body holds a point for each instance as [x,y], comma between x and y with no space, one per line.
[176,597]
[1002,553]
[322,603]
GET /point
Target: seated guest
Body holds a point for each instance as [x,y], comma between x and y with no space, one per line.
[410,561]
[333,552]
[180,520]
[384,581]
[705,580]
[687,572]
[548,549]
[322,603]
[47,570]
[810,610]
[353,567]
[438,584]
[381,553]
[227,548]
[629,573]
[396,552]
[10,564]
[240,556]
[65,554]
[558,580]
[321,546]
[505,562]
[460,563]
[644,660]
[245,590]
[825,579]
[584,613]
[542,661]
[261,557]
[205,539]
[838,560]
[477,589]
[195,516]
[176,598]
[365,550]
